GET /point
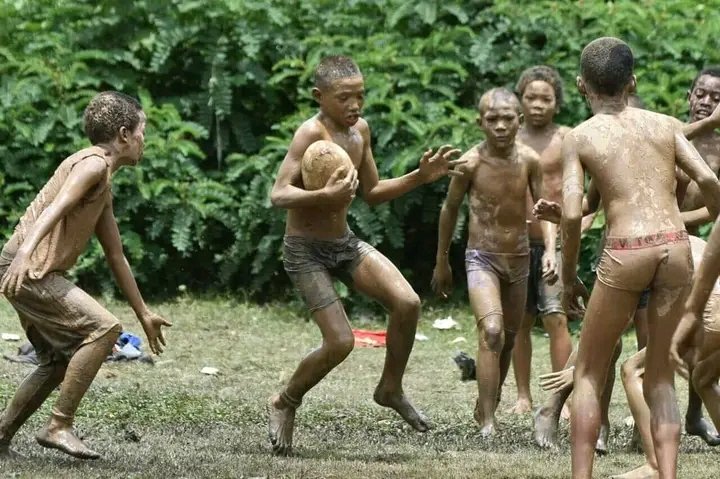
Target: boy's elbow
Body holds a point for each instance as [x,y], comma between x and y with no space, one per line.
[572,216]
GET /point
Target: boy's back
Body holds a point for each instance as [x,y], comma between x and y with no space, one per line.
[631,157]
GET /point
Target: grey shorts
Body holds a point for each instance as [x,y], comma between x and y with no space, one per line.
[543,298]
[312,264]
[508,267]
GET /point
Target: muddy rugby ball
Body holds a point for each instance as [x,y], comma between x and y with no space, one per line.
[320,161]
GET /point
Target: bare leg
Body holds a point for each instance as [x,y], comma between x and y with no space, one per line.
[705,381]
[521,359]
[695,423]
[338,342]
[641,332]
[31,394]
[602,441]
[633,371]
[560,344]
[547,416]
[608,313]
[81,371]
[379,279]
[664,311]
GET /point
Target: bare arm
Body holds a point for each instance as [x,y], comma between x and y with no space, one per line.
[287,193]
[549,230]
[442,275]
[572,211]
[690,161]
[108,235]
[83,177]
[432,167]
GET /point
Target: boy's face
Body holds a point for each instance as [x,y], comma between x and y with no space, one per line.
[500,122]
[539,103]
[343,100]
[704,97]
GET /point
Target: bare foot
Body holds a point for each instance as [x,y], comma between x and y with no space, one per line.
[704,430]
[281,423]
[487,425]
[522,406]
[546,423]
[646,471]
[63,438]
[602,441]
[402,406]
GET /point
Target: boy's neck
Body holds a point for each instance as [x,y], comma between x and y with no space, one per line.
[332,124]
[607,105]
[505,152]
[111,155]
[538,130]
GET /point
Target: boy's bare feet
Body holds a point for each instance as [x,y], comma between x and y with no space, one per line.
[546,422]
[704,430]
[522,406]
[402,406]
[281,423]
[646,471]
[63,438]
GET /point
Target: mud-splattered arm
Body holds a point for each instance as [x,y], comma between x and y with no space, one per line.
[572,210]
[690,161]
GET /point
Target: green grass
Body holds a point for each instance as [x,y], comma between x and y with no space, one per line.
[171,421]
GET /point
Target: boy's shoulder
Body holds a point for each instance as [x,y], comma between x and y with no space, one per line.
[526,153]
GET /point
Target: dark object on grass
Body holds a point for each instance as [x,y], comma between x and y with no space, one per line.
[26,355]
[466,365]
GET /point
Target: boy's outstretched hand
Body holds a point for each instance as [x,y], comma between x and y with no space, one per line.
[152,325]
[545,210]
[435,166]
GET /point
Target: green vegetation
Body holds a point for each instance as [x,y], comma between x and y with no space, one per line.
[225,83]
[171,421]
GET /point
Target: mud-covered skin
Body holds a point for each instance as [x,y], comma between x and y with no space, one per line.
[322,215]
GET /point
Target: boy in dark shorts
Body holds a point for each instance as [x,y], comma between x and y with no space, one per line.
[318,244]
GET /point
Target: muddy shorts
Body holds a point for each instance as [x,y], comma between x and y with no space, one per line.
[543,298]
[644,296]
[57,316]
[660,260]
[312,264]
[509,268]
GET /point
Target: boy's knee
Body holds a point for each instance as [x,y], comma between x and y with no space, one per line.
[627,371]
[554,323]
[493,334]
[407,305]
[340,347]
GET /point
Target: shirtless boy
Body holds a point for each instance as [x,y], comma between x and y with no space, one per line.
[498,173]
[72,334]
[646,243]
[318,244]
[633,371]
[540,90]
[703,99]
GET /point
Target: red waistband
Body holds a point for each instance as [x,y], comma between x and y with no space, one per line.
[647,241]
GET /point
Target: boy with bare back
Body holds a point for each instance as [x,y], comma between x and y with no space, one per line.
[318,244]
[498,173]
[72,334]
[631,156]
[540,90]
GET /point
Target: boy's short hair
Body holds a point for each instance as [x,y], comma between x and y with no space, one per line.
[107,112]
[542,73]
[710,70]
[333,68]
[495,92]
[606,65]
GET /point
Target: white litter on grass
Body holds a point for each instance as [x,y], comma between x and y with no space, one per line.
[445,323]
[10,337]
[420,337]
[209,371]
[459,339]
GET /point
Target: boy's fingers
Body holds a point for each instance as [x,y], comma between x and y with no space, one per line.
[458,174]
[453,152]
[457,162]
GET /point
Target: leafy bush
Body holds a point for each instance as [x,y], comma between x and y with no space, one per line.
[225,83]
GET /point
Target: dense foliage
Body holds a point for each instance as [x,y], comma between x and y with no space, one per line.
[225,83]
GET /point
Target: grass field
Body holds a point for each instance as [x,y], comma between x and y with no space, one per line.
[171,421]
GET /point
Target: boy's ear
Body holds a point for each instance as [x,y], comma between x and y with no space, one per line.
[478,120]
[689,92]
[317,94]
[633,85]
[521,117]
[124,134]
[580,84]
